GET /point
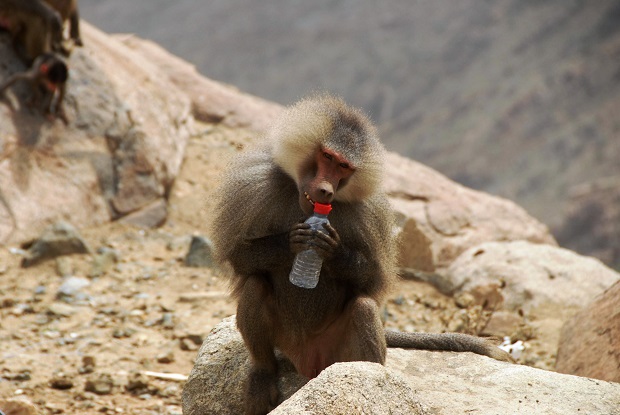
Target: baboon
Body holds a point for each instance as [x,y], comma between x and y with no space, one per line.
[320,150]
[35,27]
[68,10]
[47,78]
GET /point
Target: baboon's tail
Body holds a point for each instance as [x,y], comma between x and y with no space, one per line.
[451,342]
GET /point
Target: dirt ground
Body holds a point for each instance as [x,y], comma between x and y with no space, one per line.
[103,348]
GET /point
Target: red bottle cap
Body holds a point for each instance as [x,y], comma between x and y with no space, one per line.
[322,209]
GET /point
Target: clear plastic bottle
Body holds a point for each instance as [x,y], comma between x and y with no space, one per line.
[307,264]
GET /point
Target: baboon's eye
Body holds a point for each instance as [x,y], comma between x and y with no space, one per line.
[345,165]
[328,156]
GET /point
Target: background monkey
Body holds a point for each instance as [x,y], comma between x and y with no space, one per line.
[68,10]
[34,27]
[323,151]
[47,79]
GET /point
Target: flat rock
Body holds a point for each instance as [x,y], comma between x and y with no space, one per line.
[59,239]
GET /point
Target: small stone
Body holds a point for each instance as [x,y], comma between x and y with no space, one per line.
[166,357]
[137,384]
[61,382]
[100,384]
[123,332]
[167,321]
[105,259]
[187,345]
[400,300]
[464,300]
[88,365]
[197,339]
[200,253]
[64,267]
[151,216]
[72,286]
[59,239]
[61,310]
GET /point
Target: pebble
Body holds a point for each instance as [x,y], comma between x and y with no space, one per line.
[165,357]
[88,365]
[71,287]
[64,267]
[200,253]
[187,345]
[167,321]
[61,310]
[105,259]
[59,239]
[61,382]
[464,300]
[123,332]
[137,384]
[101,384]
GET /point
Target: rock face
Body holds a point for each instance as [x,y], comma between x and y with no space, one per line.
[211,101]
[120,152]
[545,284]
[413,382]
[440,218]
[589,341]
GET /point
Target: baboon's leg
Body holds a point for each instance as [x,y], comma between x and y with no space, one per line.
[255,323]
[364,338]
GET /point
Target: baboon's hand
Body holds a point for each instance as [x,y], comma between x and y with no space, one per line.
[325,244]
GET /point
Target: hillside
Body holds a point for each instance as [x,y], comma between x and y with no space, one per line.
[515,98]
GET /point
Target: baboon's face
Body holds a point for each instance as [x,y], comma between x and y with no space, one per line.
[325,173]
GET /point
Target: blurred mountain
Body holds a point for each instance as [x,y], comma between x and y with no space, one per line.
[519,98]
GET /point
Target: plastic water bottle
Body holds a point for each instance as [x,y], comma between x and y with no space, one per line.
[307,264]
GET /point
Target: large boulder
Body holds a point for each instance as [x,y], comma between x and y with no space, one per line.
[544,284]
[119,153]
[590,341]
[354,388]
[215,384]
[412,382]
[440,218]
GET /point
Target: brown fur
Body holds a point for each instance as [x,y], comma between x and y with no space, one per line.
[68,10]
[255,229]
[34,26]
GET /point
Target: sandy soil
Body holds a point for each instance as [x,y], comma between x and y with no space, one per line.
[91,352]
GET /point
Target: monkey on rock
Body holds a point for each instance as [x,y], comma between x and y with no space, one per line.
[320,150]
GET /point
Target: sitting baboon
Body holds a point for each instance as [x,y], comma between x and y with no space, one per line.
[321,150]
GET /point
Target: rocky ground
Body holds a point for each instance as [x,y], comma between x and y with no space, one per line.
[97,333]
